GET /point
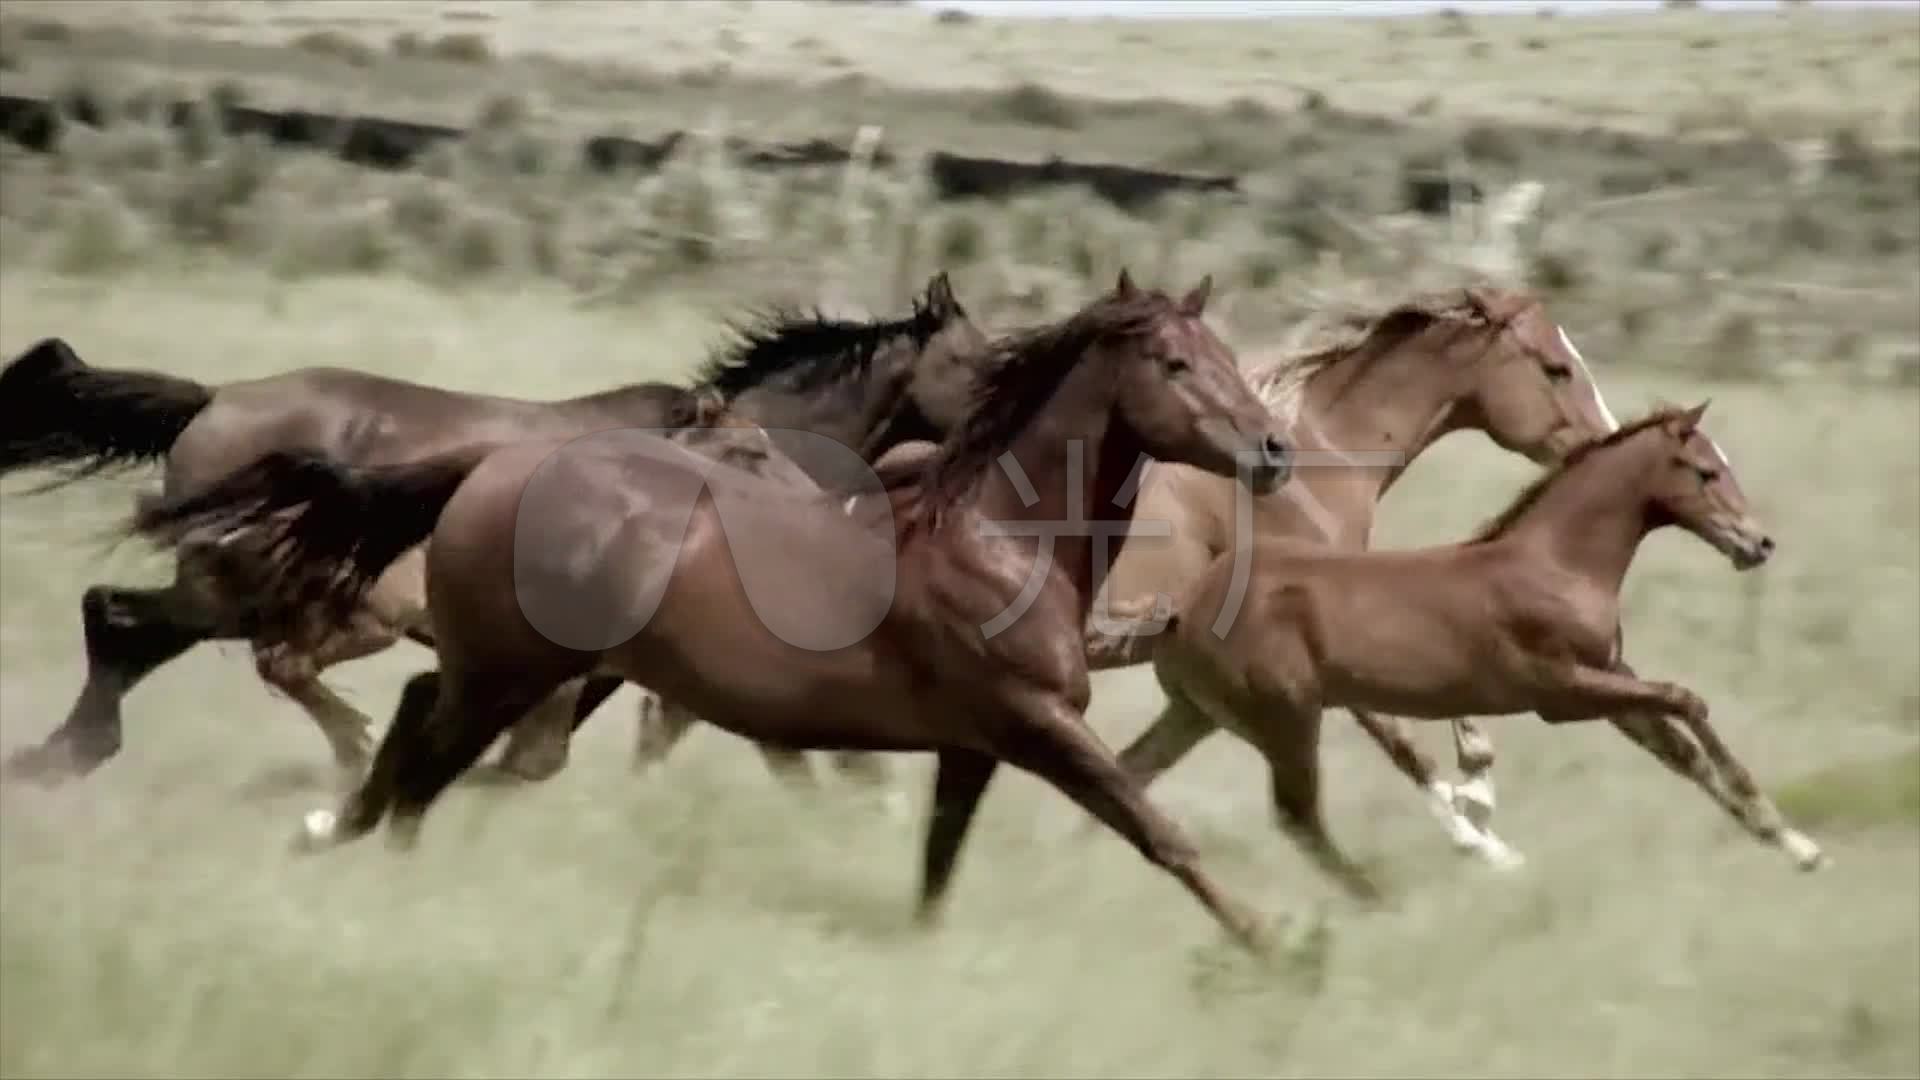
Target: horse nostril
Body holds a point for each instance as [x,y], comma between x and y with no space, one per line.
[1273,452]
[1766,545]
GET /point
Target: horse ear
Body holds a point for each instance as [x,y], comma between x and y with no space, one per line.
[940,299]
[1496,305]
[1691,419]
[1195,302]
[1125,288]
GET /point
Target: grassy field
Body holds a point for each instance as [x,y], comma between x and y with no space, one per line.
[702,921]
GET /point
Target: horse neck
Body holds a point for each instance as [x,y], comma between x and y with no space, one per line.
[1362,420]
[1073,459]
[1591,520]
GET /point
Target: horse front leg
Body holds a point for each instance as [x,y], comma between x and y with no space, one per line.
[541,739]
[1050,739]
[1707,761]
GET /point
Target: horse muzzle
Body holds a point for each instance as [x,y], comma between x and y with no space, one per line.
[1271,466]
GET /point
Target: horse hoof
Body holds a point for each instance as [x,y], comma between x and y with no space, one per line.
[1805,853]
[1499,856]
[316,831]
[52,763]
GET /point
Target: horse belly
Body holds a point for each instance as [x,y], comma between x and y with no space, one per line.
[1395,646]
[782,641]
[766,690]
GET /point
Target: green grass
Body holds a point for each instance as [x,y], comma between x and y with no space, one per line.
[701,921]
[1856,794]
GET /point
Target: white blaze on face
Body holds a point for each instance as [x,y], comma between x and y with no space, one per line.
[1717,452]
[1599,402]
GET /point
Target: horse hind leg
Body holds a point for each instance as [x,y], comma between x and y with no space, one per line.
[1443,799]
[663,723]
[129,633]
[542,740]
[467,716]
[295,671]
[363,809]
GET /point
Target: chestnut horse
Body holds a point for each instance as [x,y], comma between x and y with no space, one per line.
[844,380]
[1523,617]
[1362,399]
[946,614]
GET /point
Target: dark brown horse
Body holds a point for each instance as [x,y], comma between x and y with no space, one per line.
[862,385]
[946,614]
[1361,399]
[1523,617]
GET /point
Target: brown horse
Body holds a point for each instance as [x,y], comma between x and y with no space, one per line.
[1362,400]
[945,615]
[864,385]
[1523,617]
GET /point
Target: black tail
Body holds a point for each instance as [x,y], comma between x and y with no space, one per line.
[58,411]
[317,533]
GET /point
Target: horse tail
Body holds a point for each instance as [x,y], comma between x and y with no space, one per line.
[57,410]
[317,534]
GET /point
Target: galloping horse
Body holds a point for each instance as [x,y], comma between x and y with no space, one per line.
[945,614]
[842,380]
[1523,617]
[1361,401]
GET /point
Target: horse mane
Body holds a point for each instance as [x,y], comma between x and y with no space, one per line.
[807,349]
[1500,523]
[1336,333]
[1019,374]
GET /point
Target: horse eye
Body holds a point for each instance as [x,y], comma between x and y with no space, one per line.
[1558,371]
[1178,365]
[1707,476]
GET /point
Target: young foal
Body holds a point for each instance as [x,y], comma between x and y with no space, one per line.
[843,380]
[930,618]
[1525,617]
[1362,402]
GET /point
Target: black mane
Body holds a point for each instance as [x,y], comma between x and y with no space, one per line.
[805,350]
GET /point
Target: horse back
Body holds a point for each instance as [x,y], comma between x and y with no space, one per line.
[356,418]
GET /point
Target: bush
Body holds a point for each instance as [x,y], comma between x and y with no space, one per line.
[1031,103]
[1857,794]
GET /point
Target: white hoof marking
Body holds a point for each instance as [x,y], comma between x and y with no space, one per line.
[1802,850]
[1474,800]
[1442,800]
[1498,855]
[316,829]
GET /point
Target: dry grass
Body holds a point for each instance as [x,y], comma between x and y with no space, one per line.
[1807,68]
[701,922]
[1812,244]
